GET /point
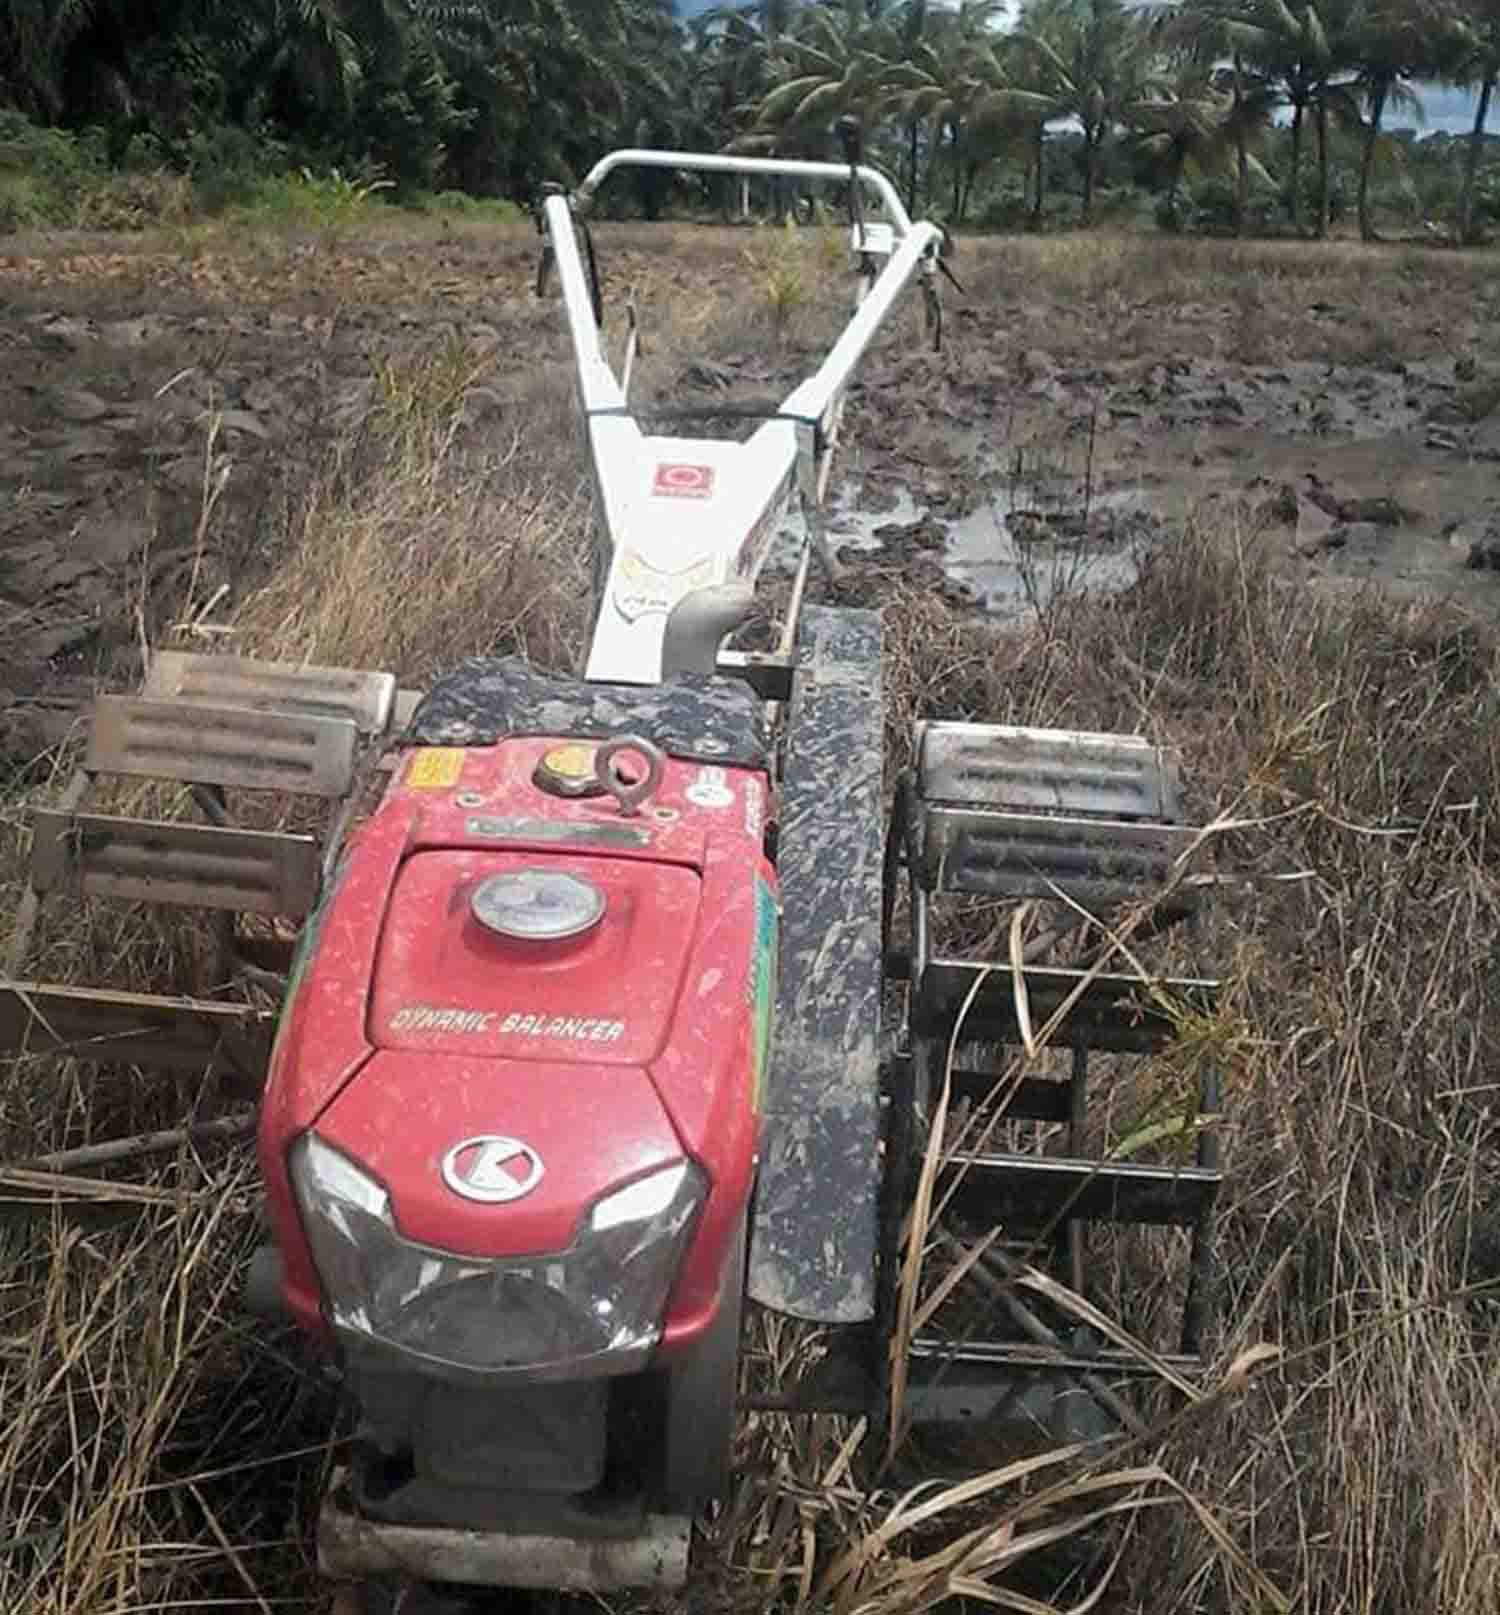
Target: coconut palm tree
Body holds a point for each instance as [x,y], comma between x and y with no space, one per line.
[747,41]
[34,37]
[1092,60]
[727,55]
[1392,45]
[1307,49]
[1202,121]
[1475,52]
[909,28]
[955,83]
[570,76]
[1197,29]
[761,36]
[827,67]
[1335,101]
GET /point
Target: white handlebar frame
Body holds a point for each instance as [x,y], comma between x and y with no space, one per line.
[688,514]
[784,167]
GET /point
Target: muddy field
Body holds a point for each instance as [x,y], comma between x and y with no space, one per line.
[162,405]
[363,451]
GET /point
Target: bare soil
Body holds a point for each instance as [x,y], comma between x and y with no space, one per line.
[162,403]
[162,411]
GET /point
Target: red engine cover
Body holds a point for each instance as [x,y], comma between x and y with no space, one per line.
[446,985]
[410,1026]
[407,1111]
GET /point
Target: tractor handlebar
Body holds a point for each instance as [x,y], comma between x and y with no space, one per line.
[790,168]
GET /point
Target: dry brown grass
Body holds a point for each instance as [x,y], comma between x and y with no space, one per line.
[411,551]
[143,1418]
[1360,1229]
[158,1451]
[1107,298]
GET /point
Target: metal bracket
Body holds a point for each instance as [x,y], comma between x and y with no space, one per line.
[187,865]
[210,745]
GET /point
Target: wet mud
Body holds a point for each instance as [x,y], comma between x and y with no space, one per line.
[153,441]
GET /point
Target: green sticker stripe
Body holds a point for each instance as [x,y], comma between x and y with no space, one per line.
[767,926]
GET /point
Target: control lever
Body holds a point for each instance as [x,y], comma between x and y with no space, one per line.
[934,303]
[591,261]
[544,262]
[932,313]
[851,138]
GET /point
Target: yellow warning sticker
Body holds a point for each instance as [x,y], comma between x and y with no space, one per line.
[435,768]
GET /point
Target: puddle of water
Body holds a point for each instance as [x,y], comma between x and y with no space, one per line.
[848,524]
[1010,559]
[985,552]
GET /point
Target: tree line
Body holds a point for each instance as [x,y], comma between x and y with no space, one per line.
[496,96]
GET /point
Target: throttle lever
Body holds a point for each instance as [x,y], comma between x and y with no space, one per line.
[545,260]
[851,138]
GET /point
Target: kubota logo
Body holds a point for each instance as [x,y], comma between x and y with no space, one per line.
[677,481]
[492,1168]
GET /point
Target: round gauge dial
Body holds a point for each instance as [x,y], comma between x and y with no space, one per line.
[537,905]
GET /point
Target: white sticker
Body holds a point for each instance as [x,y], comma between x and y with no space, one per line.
[755,813]
[641,589]
[710,789]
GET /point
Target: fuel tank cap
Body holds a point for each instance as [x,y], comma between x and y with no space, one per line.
[568,771]
[537,905]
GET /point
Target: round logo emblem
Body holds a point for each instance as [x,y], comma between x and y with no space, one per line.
[492,1168]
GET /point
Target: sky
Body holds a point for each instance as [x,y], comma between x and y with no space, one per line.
[1451,110]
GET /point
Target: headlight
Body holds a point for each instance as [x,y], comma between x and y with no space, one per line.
[594,1308]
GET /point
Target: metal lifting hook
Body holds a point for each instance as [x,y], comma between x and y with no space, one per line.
[629,793]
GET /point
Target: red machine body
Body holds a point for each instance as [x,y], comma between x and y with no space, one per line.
[409,1027]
